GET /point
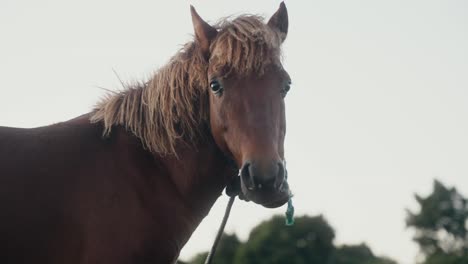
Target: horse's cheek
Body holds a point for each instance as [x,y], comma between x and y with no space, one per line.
[218,127]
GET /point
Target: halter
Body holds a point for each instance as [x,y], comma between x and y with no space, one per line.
[232,190]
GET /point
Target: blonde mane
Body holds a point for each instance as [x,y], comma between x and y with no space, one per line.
[174,104]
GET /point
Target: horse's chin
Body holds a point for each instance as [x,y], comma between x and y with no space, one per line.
[268,198]
[276,203]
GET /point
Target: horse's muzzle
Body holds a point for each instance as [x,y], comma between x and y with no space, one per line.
[258,176]
[265,183]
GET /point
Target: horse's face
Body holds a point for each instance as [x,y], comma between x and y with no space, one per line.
[247,118]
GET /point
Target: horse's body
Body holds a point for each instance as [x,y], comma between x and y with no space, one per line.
[89,200]
[129,182]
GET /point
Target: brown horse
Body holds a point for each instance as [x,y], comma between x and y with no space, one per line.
[130,181]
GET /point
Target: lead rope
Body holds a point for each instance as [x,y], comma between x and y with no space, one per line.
[232,190]
[290,209]
[209,258]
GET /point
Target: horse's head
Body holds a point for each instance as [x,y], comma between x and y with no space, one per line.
[247,86]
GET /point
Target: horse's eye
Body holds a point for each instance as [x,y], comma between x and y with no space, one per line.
[216,87]
[286,88]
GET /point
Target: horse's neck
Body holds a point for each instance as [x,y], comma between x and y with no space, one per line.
[199,175]
[189,183]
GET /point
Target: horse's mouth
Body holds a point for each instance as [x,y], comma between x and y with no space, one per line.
[269,198]
[276,203]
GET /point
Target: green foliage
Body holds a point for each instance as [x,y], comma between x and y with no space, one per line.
[443,258]
[441,225]
[352,254]
[199,258]
[357,254]
[382,260]
[310,240]
[227,248]
[441,231]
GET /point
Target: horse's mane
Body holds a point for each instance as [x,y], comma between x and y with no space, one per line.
[173,105]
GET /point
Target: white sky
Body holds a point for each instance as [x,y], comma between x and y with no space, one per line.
[378,107]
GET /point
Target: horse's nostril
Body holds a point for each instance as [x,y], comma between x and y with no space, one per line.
[280,177]
[247,175]
[268,178]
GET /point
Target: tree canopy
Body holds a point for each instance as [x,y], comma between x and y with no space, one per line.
[441,225]
[357,254]
[308,241]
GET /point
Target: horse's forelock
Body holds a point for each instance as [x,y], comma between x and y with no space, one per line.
[245,45]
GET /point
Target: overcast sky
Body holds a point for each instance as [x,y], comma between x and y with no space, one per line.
[378,107]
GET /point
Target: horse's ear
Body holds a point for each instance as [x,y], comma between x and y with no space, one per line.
[204,33]
[279,21]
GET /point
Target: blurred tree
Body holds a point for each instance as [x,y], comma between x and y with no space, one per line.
[357,254]
[309,241]
[441,225]
[352,254]
[200,258]
[227,248]
[444,258]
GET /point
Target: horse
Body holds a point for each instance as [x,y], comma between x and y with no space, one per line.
[129,181]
